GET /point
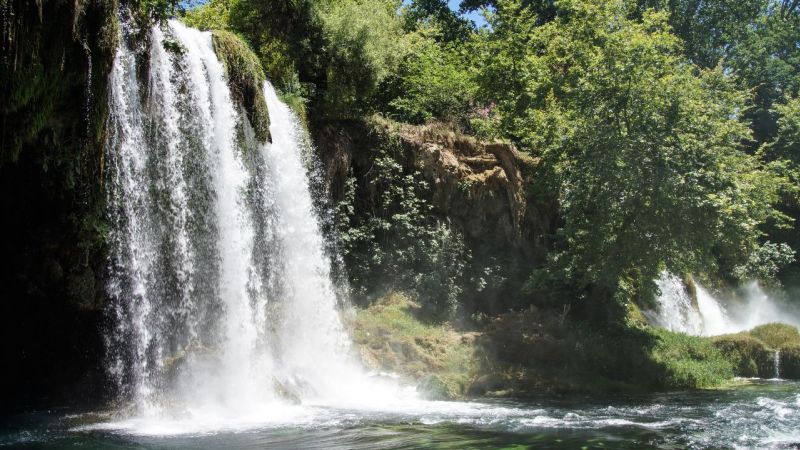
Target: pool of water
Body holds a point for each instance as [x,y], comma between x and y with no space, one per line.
[759,414]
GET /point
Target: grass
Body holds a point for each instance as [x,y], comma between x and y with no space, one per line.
[530,353]
[689,361]
[440,359]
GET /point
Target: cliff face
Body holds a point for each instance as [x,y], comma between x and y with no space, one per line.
[55,57]
[479,188]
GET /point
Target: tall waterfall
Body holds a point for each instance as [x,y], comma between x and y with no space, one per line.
[222,300]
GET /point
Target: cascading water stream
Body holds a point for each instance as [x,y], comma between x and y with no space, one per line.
[709,316]
[222,300]
[675,309]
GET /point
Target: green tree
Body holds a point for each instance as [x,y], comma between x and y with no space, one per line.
[787,144]
[709,30]
[642,147]
[767,62]
[434,81]
[364,43]
[437,14]
[211,15]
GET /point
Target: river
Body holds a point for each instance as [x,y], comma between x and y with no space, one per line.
[756,414]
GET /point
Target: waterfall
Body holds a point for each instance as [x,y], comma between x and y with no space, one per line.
[675,309]
[222,303]
[777,358]
[710,316]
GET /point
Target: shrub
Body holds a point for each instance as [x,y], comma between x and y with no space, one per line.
[396,243]
[748,355]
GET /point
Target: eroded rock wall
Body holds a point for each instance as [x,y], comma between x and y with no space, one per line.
[481,188]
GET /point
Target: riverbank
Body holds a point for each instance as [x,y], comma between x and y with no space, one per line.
[533,353]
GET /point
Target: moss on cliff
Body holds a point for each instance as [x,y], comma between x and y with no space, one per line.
[245,78]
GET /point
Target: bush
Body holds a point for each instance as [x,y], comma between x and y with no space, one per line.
[748,355]
[777,335]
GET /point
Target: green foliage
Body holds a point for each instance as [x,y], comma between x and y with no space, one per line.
[397,244]
[245,78]
[434,81]
[766,61]
[450,27]
[765,262]
[153,10]
[286,36]
[708,30]
[643,148]
[365,43]
[787,143]
[690,361]
[777,335]
[211,15]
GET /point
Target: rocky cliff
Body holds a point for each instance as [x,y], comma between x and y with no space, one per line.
[479,188]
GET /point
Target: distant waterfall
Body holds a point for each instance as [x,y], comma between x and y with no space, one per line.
[221,296]
[709,316]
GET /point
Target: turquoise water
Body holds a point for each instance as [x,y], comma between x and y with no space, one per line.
[762,414]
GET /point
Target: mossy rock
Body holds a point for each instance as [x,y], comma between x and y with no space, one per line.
[790,363]
[777,335]
[245,78]
[749,356]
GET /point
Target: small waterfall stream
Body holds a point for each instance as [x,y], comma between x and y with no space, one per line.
[222,301]
[777,364]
